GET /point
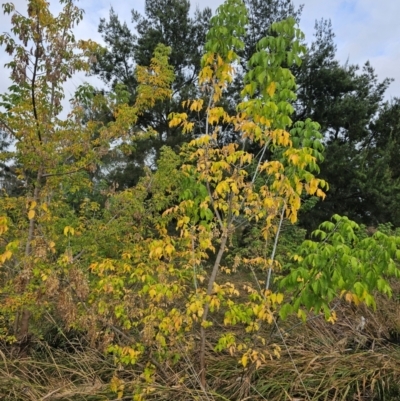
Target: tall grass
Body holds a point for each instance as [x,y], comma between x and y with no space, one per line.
[344,361]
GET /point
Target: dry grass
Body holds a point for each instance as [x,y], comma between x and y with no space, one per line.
[326,362]
[50,374]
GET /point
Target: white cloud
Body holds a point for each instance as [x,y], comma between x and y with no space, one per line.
[365,30]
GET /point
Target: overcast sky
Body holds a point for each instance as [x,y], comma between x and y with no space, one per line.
[365,30]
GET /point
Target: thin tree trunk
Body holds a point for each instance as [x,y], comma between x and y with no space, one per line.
[24,315]
[211,282]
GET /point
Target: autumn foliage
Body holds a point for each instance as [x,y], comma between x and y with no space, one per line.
[151,274]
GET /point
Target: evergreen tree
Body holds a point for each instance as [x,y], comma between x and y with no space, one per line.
[5,171]
[168,22]
[9,182]
[347,101]
[262,14]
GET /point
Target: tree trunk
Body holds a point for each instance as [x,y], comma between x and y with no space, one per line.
[213,276]
[23,318]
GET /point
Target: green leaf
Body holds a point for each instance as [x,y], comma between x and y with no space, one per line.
[285,311]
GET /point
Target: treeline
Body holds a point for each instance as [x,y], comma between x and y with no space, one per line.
[360,127]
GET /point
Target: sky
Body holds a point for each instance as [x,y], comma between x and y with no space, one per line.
[364,29]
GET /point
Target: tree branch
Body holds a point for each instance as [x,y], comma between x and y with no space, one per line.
[35,67]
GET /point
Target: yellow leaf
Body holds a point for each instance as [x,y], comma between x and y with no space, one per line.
[157,252]
[169,249]
[279,298]
[6,255]
[272,297]
[68,229]
[313,186]
[175,122]
[52,245]
[271,89]
[302,315]
[321,194]
[116,384]
[222,187]
[234,188]
[294,158]
[206,323]
[348,297]
[31,214]
[277,351]
[188,127]
[332,319]
[214,303]
[244,360]
[356,300]
[33,205]
[197,105]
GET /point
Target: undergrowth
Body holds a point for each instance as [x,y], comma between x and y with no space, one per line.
[357,358]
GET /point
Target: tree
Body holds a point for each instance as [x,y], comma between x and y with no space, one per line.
[8,181]
[218,188]
[261,15]
[148,271]
[53,158]
[346,101]
[32,122]
[382,183]
[170,23]
[185,279]
[186,36]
